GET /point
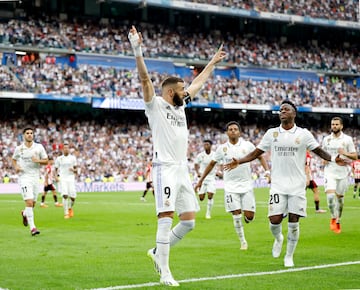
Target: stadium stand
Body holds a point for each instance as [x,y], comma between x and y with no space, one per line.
[62,56]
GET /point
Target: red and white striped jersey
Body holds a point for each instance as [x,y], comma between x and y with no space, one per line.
[356,168]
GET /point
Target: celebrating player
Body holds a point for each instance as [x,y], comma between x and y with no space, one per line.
[288,144]
[173,188]
[239,195]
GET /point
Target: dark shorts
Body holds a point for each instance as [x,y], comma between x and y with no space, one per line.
[357,180]
[49,187]
[312,184]
[149,184]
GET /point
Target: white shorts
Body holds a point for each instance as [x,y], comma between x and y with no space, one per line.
[284,203]
[244,201]
[208,187]
[339,185]
[29,188]
[173,189]
[67,187]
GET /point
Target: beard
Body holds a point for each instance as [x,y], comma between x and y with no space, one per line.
[178,100]
[335,131]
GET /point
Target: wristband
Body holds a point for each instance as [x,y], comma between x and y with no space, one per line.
[135,44]
[267,172]
[333,158]
[137,51]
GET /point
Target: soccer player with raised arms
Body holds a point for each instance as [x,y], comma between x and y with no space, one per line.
[288,144]
[172,184]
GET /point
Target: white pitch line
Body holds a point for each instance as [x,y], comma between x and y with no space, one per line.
[150,284]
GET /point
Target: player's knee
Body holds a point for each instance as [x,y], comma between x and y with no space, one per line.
[249,216]
[190,224]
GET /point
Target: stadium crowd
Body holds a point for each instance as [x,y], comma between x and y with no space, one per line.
[97,81]
[328,9]
[117,149]
[243,50]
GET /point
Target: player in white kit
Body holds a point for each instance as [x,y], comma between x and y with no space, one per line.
[172,184]
[239,195]
[337,177]
[208,186]
[65,166]
[26,160]
[288,144]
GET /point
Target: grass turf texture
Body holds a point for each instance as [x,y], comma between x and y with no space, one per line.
[105,245]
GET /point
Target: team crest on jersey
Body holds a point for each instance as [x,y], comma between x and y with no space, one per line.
[225,150]
[297,141]
[275,135]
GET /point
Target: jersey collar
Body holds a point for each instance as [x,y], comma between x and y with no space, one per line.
[292,130]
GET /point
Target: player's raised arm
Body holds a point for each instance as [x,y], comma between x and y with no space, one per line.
[198,82]
[135,39]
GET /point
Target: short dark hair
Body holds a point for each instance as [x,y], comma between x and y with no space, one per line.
[289,103]
[232,123]
[171,81]
[338,119]
[28,127]
[208,141]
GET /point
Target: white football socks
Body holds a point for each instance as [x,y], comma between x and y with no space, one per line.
[331,203]
[276,230]
[180,230]
[163,244]
[292,238]
[29,213]
[239,228]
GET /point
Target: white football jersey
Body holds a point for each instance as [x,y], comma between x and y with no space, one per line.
[169,131]
[23,156]
[63,164]
[332,144]
[288,154]
[239,179]
[203,159]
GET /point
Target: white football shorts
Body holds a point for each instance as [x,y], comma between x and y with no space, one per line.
[284,203]
[209,186]
[244,201]
[67,187]
[339,185]
[173,189]
[29,188]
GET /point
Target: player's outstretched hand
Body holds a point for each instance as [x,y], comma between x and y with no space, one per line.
[135,37]
[219,55]
[342,162]
[198,186]
[233,164]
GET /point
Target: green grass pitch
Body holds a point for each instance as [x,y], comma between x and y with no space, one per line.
[105,245]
